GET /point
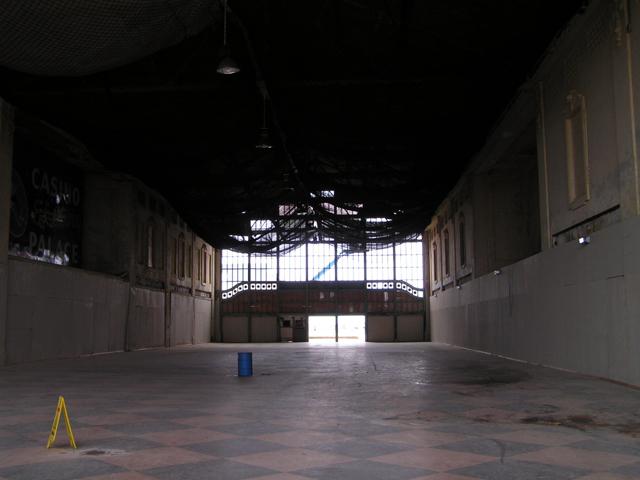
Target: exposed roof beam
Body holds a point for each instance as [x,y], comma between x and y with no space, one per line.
[358,81]
[127,90]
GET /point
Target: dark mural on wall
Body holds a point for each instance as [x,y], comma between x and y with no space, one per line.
[46,207]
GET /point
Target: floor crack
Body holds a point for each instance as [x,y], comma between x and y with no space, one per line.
[503,449]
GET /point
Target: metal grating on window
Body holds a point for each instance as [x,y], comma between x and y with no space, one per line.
[596,36]
[328,262]
[235,268]
[293,264]
[409,264]
[350,263]
[380,264]
[264,268]
[551,89]
[322,262]
[325,277]
[571,65]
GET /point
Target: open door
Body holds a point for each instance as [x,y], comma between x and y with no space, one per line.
[329,328]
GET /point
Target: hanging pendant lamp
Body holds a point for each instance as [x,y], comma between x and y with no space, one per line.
[264,133]
[226,66]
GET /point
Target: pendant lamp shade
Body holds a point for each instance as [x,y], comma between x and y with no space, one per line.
[226,66]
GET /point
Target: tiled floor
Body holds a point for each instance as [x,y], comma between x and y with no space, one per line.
[374,411]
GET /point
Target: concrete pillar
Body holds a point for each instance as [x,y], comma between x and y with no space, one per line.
[7,116]
[129,343]
[167,277]
[216,330]
[483,227]
[543,175]
[192,271]
[625,57]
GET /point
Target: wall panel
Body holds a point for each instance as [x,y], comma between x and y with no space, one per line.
[380,329]
[59,312]
[235,329]
[570,307]
[146,319]
[182,319]
[264,329]
[202,332]
[410,328]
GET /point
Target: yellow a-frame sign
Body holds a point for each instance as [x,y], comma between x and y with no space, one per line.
[56,421]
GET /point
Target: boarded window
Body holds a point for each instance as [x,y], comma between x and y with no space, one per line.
[188,261]
[205,270]
[447,268]
[577,158]
[150,240]
[198,265]
[463,241]
[435,262]
[174,253]
[141,243]
[159,252]
[181,254]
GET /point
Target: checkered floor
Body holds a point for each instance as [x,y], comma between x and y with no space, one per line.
[370,411]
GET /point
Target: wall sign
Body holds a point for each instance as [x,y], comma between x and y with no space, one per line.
[46,207]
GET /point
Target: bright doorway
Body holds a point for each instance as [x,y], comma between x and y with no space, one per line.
[350,328]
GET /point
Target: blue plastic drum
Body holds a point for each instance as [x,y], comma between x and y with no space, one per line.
[245,367]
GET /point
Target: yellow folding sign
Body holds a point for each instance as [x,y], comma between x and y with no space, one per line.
[56,421]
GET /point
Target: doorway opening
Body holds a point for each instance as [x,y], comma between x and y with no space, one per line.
[344,328]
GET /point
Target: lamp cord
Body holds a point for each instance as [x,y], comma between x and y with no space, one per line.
[225,24]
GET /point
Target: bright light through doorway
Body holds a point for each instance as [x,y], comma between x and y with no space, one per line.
[350,328]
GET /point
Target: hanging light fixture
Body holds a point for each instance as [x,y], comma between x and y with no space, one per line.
[226,66]
[264,133]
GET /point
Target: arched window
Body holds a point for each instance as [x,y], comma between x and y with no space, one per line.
[198,265]
[141,244]
[181,255]
[577,151]
[209,269]
[204,264]
[447,269]
[188,261]
[151,241]
[463,241]
[174,254]
[435,262]
[159,254]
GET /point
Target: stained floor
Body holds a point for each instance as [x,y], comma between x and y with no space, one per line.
[367,411]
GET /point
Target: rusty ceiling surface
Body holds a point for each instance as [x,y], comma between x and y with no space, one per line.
[381,102]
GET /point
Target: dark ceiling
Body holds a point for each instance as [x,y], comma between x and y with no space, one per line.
[382,102]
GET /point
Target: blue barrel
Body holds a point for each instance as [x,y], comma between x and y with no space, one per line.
[245,367]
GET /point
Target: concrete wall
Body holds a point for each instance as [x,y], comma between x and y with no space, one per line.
[380,328]
[264,329]
[182,319]
[145,319]
[126,296]
[235,329]
[106,222]
[6,157]
[58,312]
[583,72]
[203,324]
[575,307]
[190,320]
[410,328]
